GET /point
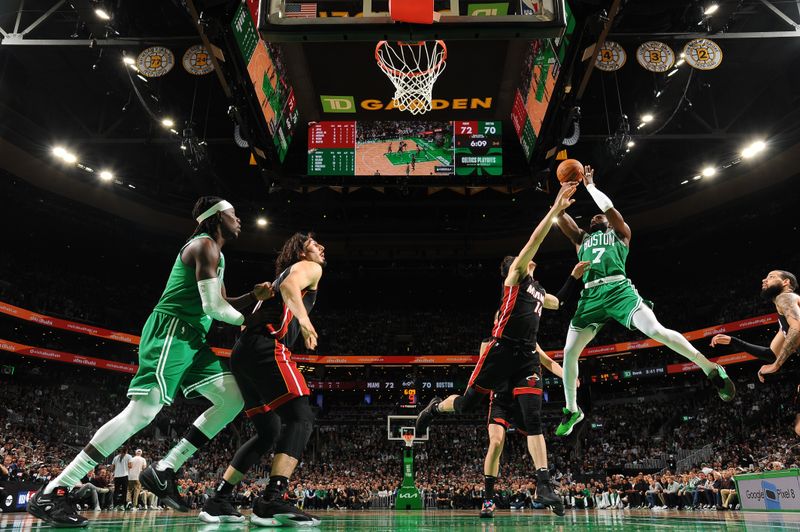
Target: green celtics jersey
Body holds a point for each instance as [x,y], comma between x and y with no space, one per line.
[606,254]
[181,298]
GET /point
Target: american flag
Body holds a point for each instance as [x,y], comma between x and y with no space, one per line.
[301,10]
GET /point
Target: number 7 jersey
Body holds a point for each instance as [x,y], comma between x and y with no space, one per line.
[606,254]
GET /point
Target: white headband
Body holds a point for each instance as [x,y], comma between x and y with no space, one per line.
[221,206]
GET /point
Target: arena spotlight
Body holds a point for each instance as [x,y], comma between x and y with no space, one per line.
[106,175]
[167,122]
[262,222]
[647,118]
[673,72]
[631,144]
[680,62]
[753,149]
[711,9]
[128,60]
[102,14]
[59,152]
[709,171]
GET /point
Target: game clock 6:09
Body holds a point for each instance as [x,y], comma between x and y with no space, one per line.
[478,148]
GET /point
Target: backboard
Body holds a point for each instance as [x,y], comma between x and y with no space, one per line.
[396,426]
[369,20]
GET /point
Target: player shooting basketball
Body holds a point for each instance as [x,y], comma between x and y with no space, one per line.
[609,294]
[510,362]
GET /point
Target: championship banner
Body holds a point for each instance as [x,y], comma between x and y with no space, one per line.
[655,56]
[58,323]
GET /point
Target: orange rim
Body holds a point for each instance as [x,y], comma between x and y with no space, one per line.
[399,73]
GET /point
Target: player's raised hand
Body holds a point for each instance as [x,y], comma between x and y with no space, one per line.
[309,333]
[720,339]
[580,269]
[766,370]
[564,198]
[263,291]
[588,175]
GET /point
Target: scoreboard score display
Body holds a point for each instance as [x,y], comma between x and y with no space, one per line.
[350,148]
[478,148]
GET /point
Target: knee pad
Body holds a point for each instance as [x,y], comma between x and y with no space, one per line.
[268,428]
[531,407]
[299,424]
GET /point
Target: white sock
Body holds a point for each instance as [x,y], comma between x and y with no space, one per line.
[73,473]
[644,320]
[177,456]
[576,341]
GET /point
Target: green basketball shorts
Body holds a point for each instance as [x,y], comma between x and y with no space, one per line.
[172,355]
[614,301]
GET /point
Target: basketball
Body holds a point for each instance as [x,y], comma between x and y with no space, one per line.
[569,170]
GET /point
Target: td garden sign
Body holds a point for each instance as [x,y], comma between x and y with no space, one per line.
[347,104]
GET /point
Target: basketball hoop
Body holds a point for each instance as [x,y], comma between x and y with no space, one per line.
[413,68]
[408,437]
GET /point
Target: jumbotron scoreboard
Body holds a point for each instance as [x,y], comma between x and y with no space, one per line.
[350,148]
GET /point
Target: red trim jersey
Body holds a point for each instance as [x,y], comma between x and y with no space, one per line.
[520,311]
[275,319]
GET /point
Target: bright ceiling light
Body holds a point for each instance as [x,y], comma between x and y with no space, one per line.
[754,148]
[695,178]
[105,175]
[128,60]
[710,10]
[167,122]
[631,144]
[680,62]
[672,72]
[70,157]
[647,118]
[59,152]
[708,171]
[102,14]
[262,222]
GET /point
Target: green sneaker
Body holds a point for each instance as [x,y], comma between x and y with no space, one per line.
[569,421]
[724,385]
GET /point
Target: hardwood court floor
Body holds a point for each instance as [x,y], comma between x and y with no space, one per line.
[437,520]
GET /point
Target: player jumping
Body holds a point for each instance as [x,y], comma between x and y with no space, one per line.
[609,294]
[509,362]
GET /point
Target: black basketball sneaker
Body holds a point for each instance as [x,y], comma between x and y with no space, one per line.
[280,513]
[220,509]
[165,487]
[55,508]
[425,417]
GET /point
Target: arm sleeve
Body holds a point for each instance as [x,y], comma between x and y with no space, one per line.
[602,201]
[568,291]
[759,351]
[214,305]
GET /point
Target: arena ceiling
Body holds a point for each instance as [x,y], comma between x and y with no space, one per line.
[63,83]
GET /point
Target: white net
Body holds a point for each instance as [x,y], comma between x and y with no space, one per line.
[413,68]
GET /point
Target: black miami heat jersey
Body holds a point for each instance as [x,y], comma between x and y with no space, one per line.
[520,310]
[273,317]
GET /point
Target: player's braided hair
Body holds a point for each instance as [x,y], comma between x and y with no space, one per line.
[792,279]
[291,251]
[210,224]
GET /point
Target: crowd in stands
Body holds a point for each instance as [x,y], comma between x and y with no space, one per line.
[351,464]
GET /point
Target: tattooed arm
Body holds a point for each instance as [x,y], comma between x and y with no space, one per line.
[788,305]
